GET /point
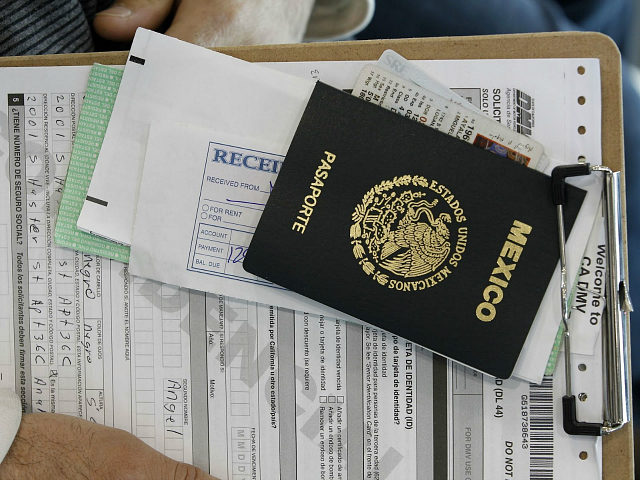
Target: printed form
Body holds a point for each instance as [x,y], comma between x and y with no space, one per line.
[242,389]
[68,318]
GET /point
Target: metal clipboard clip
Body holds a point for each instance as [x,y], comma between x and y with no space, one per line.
[616,370]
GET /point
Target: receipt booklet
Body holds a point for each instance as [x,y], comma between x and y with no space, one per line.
[411,230]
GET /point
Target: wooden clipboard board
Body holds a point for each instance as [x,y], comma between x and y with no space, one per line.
[617,447]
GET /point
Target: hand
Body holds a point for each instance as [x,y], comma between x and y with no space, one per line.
[209,22]
[62,447]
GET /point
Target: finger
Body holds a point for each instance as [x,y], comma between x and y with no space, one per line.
[238,22]
[119,22]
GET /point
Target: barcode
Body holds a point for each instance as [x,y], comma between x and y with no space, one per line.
[541,430]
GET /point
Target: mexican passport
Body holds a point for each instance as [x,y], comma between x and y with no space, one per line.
[411,230]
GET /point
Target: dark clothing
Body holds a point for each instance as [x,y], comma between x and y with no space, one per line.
[32,27]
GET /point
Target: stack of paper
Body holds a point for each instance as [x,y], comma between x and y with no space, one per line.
[239,373]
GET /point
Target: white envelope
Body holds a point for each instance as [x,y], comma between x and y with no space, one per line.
[172,80]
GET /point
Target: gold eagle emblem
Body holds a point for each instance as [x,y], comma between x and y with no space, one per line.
[399,232]
[417,247]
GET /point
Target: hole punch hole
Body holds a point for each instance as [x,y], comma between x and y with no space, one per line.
[581,70]
[582,367]
[583,455]
[582,397]
[582,159]
[581,100]
[582,130]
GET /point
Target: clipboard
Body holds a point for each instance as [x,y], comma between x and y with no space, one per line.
[617,447]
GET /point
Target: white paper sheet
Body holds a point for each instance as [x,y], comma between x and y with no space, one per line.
[167,230]
[168,79]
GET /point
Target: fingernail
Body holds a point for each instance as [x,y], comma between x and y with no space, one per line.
[116,11]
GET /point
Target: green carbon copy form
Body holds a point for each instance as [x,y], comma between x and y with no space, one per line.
[100,96]
[553,357]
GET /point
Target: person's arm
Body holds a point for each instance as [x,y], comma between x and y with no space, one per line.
[10,413]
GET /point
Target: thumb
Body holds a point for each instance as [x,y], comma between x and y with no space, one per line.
[118,23]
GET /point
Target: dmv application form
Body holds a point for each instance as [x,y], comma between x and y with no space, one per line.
[239,388]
